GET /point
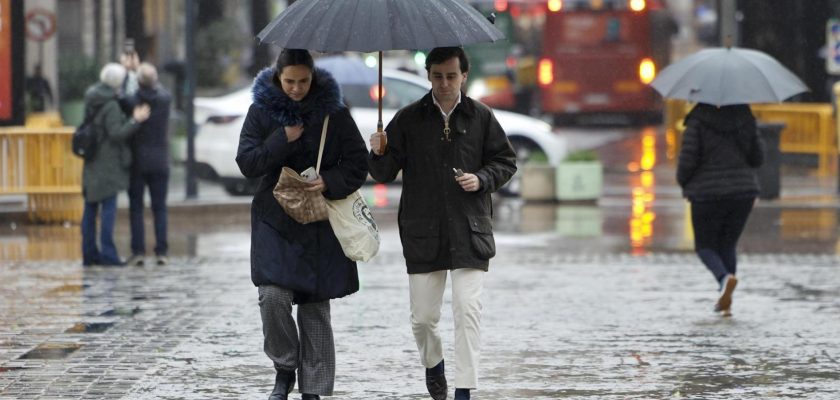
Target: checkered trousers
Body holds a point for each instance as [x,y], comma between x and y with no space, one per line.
[311,351]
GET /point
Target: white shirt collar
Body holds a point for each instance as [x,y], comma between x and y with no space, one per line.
[446,115]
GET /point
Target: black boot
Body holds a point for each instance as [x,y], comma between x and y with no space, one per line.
[283,384]
[307,396]
[436,382]
[462,394]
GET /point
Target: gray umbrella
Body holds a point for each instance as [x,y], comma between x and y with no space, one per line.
[377,25]
[723,76]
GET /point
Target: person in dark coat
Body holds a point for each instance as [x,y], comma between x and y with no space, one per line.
[107,174]
[445,217]
[720,152]
[150,166]
[293,263]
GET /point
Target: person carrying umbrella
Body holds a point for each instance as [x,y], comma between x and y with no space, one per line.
[293,263]
[720,152]
[453,154]
[721,148]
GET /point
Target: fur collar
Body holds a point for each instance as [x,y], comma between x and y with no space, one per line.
[324,98]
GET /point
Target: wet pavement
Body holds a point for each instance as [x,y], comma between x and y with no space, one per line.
[583,301]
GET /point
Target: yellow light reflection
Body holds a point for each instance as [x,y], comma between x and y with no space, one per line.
[555,5]
[643,194]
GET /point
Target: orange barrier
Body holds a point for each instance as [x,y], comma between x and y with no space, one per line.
[809,128]
[39,162]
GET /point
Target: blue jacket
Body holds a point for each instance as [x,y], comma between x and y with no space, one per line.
[305,258]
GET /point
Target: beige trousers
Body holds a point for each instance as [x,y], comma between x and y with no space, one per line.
[426,291]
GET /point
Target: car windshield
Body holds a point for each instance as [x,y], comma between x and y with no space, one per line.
[398,94]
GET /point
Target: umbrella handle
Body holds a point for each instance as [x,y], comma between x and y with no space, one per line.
[383,143]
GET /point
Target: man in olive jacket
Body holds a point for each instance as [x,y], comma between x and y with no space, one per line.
[453,154]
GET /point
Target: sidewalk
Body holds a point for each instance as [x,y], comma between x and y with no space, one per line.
[556,326]
[583,301]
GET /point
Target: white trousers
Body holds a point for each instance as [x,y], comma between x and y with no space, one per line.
[426,291]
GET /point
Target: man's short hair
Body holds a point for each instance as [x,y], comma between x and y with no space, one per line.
[147,75]
[440,55]
[113,75]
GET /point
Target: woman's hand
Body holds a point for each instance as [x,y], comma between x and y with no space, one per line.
[293,132]
[317,185]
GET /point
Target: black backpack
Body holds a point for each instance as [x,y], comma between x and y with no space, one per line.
[86,138]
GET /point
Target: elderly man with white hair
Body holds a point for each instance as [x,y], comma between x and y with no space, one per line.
[107,173]
[150,168]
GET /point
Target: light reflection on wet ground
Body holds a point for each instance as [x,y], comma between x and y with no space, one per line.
[618,224]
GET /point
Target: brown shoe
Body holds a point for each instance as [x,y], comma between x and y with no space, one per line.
[724,302]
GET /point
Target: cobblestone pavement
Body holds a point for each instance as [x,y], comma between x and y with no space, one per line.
[556,325]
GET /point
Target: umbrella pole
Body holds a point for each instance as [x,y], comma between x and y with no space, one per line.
[379,95]
[384,141]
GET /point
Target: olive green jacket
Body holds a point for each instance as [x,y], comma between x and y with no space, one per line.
[108,172]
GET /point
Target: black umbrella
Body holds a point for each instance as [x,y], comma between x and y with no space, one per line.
[377,25]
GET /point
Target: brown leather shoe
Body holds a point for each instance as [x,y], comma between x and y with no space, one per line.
[724,302]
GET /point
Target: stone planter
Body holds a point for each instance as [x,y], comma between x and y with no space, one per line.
[579,180]
[537,182]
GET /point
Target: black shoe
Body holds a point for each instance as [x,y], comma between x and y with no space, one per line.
[462,394]
[436,382]
[283,384]
[307,396]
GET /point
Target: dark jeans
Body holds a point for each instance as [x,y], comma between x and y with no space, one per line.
[158,183]
[90,253]
[717,227]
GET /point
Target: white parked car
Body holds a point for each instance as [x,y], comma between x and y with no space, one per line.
[220,119]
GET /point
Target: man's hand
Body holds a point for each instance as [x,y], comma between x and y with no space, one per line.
[469,182]
[317,185]
[378,143]
[141,112]
[293,132]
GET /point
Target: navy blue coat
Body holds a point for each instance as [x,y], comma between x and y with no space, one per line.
[150,145]
[304,258]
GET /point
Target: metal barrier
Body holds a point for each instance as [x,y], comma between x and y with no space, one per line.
[809,128]
[39,163]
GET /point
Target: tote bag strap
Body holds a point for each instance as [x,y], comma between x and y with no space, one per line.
[321,147]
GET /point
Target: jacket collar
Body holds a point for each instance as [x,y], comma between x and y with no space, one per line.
[466,105]
[324,98]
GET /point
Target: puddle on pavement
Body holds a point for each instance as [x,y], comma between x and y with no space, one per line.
[89,327]
[51,351]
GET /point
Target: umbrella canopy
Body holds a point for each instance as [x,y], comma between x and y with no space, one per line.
[346,70]
[724,76]
[376,25]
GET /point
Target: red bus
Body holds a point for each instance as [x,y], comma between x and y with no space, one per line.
[598,57]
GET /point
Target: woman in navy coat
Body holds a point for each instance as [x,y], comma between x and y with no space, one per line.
[293,263]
